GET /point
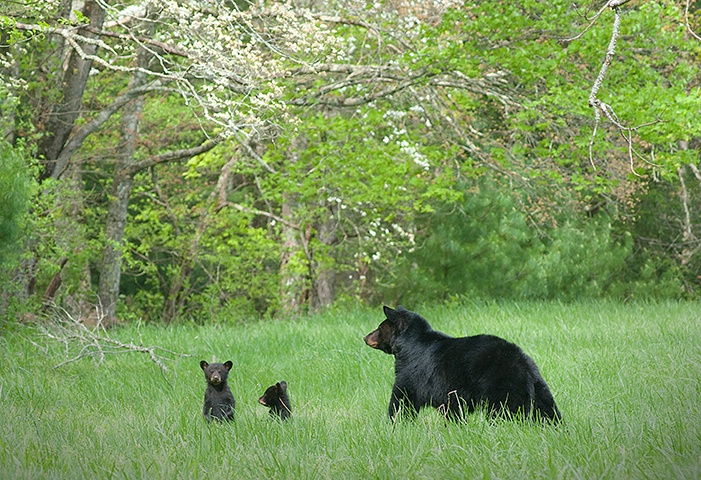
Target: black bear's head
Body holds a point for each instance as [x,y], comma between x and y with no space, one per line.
[216,373]
[396,323]
[273,394]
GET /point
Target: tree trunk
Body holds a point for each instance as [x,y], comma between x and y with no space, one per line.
[54,285]
[294,267]
[688,237]
[60,123]
[122,182]
[175,299]
[295,261]
[324,271]
[176,295]
[111,265]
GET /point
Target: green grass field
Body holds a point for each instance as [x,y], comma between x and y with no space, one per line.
[627,379]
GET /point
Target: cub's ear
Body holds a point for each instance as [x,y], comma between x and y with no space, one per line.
[228,364]
[203,364]
[282,386]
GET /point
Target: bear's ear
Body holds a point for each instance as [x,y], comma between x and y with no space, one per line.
[282,386]
[400,318]
[203,364]
[228,364]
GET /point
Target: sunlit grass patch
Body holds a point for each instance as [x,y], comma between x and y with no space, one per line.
[627,379]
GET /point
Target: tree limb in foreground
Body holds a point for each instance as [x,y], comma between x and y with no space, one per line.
[600,106]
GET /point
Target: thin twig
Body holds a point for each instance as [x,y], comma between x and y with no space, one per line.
[613,4]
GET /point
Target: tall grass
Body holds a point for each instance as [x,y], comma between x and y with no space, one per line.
[627,379]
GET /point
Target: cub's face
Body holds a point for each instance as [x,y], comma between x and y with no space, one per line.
[216,373]
[273,394]
[384,337]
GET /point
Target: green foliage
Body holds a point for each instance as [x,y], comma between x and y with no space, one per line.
[359,182]
[16,188]
[660,104]
[489,248]
[661,253]
[229,258]
[244,261]
[626,378]
[368,191]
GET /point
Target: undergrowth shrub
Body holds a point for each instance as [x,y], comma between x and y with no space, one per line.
[490,248]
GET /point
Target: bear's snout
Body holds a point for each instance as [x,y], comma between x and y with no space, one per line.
[372,340]
[215,379]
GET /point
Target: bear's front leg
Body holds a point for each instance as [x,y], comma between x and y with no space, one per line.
[207,411]
[400,404]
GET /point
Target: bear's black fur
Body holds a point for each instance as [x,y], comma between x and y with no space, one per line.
[219,403]
[456,375]
[277,399]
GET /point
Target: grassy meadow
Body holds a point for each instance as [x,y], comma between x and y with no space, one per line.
[626,377]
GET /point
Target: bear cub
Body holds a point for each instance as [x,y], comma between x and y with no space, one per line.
[277,399]
[219,403]
[458,375]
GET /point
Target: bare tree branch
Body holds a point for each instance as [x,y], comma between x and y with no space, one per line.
[602,107]
[74,39]
[695,171]
[246,144]
[255,211]
[170,49]
[610,51]
[491,85]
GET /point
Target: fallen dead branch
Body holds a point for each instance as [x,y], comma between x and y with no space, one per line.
[83,341]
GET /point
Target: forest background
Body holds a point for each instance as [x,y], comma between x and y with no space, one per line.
[201,160]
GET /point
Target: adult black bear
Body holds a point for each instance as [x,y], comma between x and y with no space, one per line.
[219,403]
[277,399]
[458,374]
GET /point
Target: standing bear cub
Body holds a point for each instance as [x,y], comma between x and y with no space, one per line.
[456,375]
[219,403]
[277,399]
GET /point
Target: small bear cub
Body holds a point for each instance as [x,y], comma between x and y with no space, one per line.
[219,403]
[277,399]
